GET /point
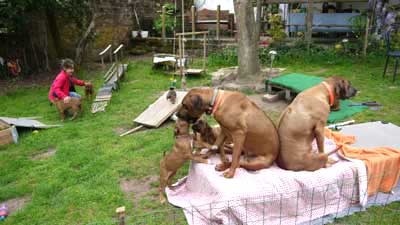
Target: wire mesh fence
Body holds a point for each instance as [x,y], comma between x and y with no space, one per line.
[322,205]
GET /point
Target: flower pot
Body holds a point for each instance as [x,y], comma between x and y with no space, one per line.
[144,34]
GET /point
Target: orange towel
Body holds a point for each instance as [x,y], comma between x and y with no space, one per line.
[383,163]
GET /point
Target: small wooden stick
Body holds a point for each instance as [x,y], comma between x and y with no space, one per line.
[132,130]
[121,215]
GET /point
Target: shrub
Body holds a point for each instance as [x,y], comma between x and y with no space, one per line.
[276,31]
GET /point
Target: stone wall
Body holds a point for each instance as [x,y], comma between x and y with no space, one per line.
[116,19]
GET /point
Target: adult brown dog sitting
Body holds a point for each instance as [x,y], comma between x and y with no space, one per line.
[181,152]
[74,104]
[241,120]
[305,119]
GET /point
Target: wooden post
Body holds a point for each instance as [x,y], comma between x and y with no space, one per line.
[121,215]
[163,22]
[366,37]
[193,21]
[183,59]
[218,20]
[309,23]
[111,55]
[180,56]
[204,52]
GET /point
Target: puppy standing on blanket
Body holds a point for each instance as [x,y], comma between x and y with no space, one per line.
[181,152]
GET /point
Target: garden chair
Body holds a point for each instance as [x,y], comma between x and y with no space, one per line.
[395,53]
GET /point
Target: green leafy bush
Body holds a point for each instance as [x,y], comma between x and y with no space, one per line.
[277,30]
[169,20]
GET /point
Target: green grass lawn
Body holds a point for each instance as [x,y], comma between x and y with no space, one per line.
[80,184]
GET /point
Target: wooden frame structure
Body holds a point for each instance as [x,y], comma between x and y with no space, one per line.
[182,53]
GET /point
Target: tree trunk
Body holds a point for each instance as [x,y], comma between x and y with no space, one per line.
[83,41]
[54,31]
[249,35]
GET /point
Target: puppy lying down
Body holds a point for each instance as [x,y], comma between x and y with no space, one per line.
[175,159]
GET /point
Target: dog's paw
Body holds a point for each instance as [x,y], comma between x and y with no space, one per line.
[162,199]
[214,147]
[330,162]
[229,174]
[221,167]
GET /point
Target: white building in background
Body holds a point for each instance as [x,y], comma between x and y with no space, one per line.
[212,5]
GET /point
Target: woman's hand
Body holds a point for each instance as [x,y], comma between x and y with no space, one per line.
[67,99]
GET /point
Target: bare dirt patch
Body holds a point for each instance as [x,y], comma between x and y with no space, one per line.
[16,204]
[45,155]
[227,78]
[272,109]
[135,189]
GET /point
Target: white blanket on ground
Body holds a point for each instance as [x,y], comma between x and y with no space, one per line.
[268,196]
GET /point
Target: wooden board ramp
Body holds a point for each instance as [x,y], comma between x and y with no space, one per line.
[160,110]
[29,122]
[111,82]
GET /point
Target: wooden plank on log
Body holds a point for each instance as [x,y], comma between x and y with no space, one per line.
[160,110]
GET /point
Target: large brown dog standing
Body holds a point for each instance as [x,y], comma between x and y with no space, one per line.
[240,120]
[305,119]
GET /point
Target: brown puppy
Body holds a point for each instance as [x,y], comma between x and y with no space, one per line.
[89,93]
[74,104]
[305,119]
[205,137]
[181,152]
[241,120]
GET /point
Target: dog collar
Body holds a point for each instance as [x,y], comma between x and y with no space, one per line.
[331,96]
[213,98]
[217,102]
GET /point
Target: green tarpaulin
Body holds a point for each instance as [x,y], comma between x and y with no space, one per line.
[298,82]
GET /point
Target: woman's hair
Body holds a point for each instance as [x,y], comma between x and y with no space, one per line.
[67,64]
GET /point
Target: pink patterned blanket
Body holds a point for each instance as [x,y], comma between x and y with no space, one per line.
[268,196]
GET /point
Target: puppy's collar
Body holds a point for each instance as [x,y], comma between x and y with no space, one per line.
[214,97]
[331,96]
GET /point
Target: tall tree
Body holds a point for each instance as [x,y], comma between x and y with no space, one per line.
[248,27]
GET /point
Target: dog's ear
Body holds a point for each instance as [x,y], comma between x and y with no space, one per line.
[339,87]
[197,102]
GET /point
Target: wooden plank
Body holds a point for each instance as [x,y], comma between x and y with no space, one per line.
[119,48]
[191,33]
[109,70]
[132,130]
[99,106]
[160,110]
[26,122]
[105,50]
[194,71]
